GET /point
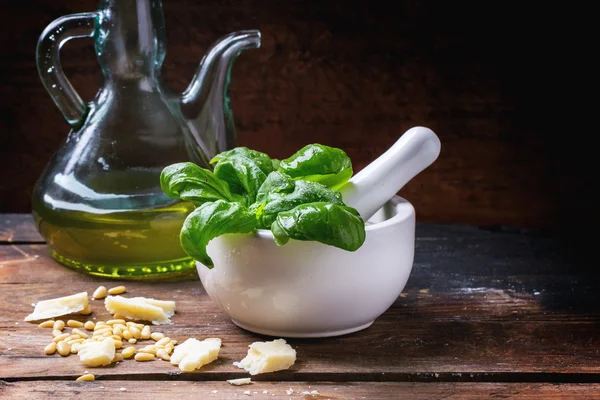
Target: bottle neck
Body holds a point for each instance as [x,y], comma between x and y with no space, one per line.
[130,38]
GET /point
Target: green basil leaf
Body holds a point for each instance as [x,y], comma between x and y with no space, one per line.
[211,220]
[331,224]
[276,182]
[275,162]
[243,176]
[262,160]
[289,197]
[188,181]
[318,163]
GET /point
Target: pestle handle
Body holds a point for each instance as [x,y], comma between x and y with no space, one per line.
[378,182]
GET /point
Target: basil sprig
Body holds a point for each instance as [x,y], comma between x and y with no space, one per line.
[296,198]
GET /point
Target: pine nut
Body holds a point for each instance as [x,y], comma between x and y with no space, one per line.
[144,357]
[135,332]
[87,310]
[64,348]
[163,341]
[74,324]
[100,293]
[118,357]
[127,334]
[148,350]
[117,290]
[132,340]
[50,349]
[121,326]
[156,336]
[47,324]
[102,331]
[80,333]
[162,353]
[56,333]
[169,347]
[118,344]
[174,342]
[146,332]
[89,325]
[59,325]
[86,377]
[61,337]
[117,331]
[113,322]
[72,342]
[74,350]
[115,337]
[128,352]
[119,316]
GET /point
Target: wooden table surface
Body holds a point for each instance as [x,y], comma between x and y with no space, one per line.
[484,315]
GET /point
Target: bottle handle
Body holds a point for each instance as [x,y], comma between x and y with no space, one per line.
[56,34]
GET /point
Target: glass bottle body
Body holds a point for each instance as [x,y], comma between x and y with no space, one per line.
[99,203]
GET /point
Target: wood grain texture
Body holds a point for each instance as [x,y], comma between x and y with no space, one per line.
[356,75]
[334,391]
[479,306]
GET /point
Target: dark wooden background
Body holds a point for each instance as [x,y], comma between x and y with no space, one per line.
[496,81]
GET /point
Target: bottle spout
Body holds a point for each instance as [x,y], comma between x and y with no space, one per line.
[205,103]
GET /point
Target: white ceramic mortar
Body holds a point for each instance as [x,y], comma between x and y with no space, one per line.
[308,289]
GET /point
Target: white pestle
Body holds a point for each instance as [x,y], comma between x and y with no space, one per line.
[378,182]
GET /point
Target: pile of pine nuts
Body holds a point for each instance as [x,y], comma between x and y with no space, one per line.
[119,329]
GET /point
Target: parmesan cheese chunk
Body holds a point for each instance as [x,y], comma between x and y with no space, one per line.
[240,381]
[96,354]
[60,306]
[141,308]
[265,357]
[193,353]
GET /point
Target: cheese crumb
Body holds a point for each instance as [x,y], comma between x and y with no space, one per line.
[265,357]
[141,308]
[247,393]
[240,381]
[96,354]
[193,354]
[60,306]
[290,391]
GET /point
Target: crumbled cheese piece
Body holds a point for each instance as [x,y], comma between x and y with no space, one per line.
[141,308]
[247,393]
[290,391]
[240,381]
[265,357]
[96,354]
[60,306]
[193,353]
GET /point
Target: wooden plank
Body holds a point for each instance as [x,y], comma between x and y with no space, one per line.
[478,306]
[18,228]
[300,390]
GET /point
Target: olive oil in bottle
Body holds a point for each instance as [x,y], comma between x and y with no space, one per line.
[106,233]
